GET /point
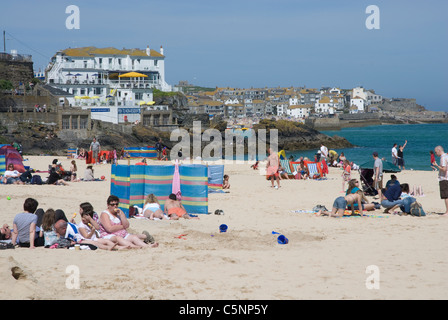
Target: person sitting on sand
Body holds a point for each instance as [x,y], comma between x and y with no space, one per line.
[393,180]
[56,178]
[82,154]
[114,224]
[407,198]
[88,174]
[341,203]
[282,174]
[24,226]
[353,187]
[225,182]
[12,176]
[255,165]
[175,210]
[303,169]
[47,230]
[390,198]
[89,230]
[151,209]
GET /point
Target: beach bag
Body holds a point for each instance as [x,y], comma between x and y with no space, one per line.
[417,210]
[36,179]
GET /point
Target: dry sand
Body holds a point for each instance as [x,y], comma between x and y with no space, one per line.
[326,258]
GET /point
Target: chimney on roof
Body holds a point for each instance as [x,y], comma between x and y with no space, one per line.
[161,50]
[148,51]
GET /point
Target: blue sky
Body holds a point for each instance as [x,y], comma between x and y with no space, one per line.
[256,43]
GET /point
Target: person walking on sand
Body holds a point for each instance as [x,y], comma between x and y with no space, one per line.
[95,147]
[272,168]
[443,175]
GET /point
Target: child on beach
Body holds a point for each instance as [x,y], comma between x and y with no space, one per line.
[346,174]
[164,154]
[88,228]
[225,183]
[433,159]
[47,230]
[73,170]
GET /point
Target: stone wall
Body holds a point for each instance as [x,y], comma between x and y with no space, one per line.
[16,71]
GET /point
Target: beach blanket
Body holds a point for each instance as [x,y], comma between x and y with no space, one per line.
[347,214]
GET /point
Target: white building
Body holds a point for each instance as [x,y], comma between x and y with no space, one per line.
[108,77]
[300,111]
[357,104]
[326,105]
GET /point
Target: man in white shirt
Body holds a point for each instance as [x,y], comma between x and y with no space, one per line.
[443,175]
[395,155]
[323,152]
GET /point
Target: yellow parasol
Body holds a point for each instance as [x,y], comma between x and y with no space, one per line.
[133,75]
[150,103]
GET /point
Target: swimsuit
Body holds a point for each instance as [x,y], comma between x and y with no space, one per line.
[340,203]
[176,210]
[272,171]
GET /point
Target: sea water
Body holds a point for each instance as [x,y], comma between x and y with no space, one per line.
[421,139]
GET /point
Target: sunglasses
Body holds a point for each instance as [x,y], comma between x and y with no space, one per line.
[115,204]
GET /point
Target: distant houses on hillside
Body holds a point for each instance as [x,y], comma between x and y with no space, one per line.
[292,102]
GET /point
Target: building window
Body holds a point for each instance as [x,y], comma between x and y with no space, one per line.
[83,120]
[74,122]
[65,122]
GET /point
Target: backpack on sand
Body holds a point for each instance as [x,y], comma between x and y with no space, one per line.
[417,210]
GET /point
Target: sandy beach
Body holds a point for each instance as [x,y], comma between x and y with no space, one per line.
[326,258]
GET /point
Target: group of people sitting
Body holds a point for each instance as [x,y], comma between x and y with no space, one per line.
[51,229]
[394,196]
[57,175]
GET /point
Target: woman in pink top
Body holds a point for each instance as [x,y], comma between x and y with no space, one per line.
[113,225]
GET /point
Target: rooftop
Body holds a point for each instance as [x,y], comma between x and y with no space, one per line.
[92,51]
